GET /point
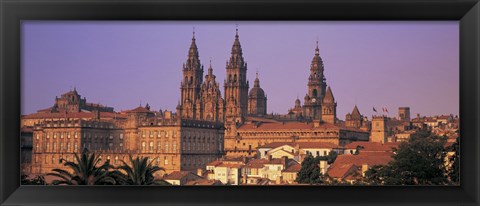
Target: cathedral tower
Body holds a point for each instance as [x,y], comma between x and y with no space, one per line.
[257,101]
[329,107]
[316,88]
[212,104]
[236,85]
[190,85]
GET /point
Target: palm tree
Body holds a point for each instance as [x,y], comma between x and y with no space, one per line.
[139,172]
[85,171]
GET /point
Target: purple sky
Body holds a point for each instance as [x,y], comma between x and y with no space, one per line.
[125,63]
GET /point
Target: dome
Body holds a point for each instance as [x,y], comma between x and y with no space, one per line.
[256,92]
[297,103]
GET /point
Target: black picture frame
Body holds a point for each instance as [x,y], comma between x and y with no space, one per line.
[14,11]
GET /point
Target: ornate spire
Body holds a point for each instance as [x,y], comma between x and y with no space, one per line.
[236,59]
[329,96]
[210,70]
[193,52]
[355,111]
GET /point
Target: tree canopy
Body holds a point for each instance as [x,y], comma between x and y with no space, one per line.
[419,161]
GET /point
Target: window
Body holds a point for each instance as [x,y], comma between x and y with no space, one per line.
[48,147]
[111,137]
[150,134]
[143,146]
[68,135]
[143,133]
[53,159]
[158,161]
[151,146]
[165,161]
[159,146]
[318,153]
[36,148]
[61,146]
[121,136]
[36,159]
[116,160]
[174,146]
[38,136]
[75,135]
[166,146]
[324,153]
[68,146]
[48,136]
[46,159]
[61,135]
[54,135]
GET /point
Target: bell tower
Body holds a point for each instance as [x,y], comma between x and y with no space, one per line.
[191,83]
[316,88]
[236,84]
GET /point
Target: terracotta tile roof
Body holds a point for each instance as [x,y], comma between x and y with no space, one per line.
[341,171]
[372,146]
[285,126]
[229,165]
[204,182]
[256,163]
[177,175]
[359,160]
[139,110]
[302,145]
[214,163]
[294,167]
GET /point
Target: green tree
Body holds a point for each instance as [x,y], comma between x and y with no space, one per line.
[139,172]
[310,171]
[420,161]
[85,171]
[454,170]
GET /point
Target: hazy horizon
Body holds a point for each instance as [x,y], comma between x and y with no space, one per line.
[124,63]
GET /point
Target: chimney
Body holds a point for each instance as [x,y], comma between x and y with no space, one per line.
[200,172]
[364,169]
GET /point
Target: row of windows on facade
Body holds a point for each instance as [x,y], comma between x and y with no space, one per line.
[58,160]
[187,146]
[285,133]
[52,159]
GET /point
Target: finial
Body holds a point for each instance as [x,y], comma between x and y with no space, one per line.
[193,33]
[236,29]
[257,74]
[210,61]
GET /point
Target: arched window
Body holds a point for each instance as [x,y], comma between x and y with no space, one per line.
[235,78]
[314,92]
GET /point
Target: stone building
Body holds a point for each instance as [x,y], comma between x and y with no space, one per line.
[379,131]
[199,100]
[172,143]
[404,113]
[257,100]
[236,86]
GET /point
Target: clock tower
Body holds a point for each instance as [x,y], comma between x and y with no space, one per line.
[316,88]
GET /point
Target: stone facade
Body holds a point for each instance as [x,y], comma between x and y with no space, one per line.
[172,143]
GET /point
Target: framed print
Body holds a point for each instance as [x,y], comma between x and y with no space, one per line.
[148,102]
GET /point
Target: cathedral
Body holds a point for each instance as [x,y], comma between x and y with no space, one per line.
[205,126]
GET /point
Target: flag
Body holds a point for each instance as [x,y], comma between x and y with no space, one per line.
[374,109]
